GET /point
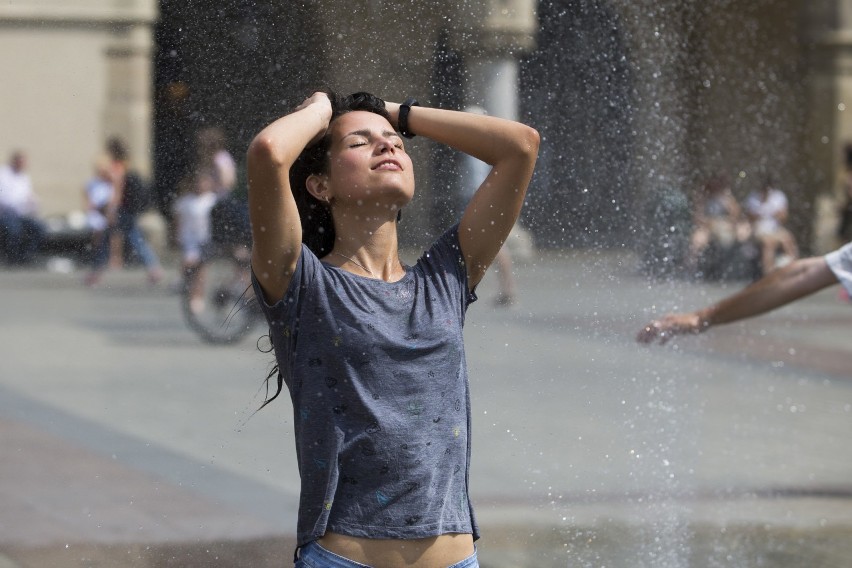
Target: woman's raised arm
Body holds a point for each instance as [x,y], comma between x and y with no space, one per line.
[510,148]
[275,224]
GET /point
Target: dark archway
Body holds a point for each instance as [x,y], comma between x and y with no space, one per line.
[236,64]
[576,88]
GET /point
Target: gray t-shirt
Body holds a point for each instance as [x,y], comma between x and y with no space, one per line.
[377,375]
[840,262]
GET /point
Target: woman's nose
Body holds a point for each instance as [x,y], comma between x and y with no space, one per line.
[385,145]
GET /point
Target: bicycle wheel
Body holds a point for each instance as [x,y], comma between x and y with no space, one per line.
[222,309]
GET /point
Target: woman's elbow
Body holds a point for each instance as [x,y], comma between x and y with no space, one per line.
[531,138]
[530,141]
[263,150]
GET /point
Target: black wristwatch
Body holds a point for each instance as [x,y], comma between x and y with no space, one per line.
[402,119]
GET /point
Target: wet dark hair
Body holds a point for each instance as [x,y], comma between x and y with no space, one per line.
[317,224]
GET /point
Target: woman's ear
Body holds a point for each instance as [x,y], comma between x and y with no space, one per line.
[318,187]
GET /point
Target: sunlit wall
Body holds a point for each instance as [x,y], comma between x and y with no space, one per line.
[73,73]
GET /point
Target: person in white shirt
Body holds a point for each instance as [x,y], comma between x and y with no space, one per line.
[767,210]
[192,215]
[97,195]
[214,160]
[21,230]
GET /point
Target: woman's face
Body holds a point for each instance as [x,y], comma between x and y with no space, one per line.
[368,165]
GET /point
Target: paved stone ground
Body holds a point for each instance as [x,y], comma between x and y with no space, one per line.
[125,441]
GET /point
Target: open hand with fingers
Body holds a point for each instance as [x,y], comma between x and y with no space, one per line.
[663,329]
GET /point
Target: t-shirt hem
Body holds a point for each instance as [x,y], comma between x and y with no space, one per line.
[405,533]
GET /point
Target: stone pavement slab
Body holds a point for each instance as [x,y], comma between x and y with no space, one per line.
[55,491]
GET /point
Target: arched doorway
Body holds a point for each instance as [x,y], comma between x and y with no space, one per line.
[236,65]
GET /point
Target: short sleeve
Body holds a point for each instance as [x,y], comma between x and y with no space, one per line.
[840,262]
[445,258]
[303,276]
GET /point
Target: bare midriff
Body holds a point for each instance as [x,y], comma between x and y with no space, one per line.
[439,551]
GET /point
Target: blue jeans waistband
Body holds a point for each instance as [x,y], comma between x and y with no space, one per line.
[312,555]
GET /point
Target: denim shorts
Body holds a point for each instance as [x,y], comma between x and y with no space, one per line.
[312,555]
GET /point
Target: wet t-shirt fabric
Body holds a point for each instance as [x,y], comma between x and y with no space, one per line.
[840,262]
[377,376]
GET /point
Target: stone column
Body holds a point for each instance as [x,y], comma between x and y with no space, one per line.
[492,88]
[830,28]
[128,106]
[499,32]
[127,111]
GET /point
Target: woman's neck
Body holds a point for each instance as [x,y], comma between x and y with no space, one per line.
[368,246]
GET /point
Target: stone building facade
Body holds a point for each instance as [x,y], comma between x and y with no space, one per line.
[72,74]
[631,96]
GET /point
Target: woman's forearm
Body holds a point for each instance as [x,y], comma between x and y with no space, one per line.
[281,142]
[486,138]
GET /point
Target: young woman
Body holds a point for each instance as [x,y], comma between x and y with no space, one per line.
[371,349]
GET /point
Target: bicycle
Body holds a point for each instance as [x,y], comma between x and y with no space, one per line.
[224,310]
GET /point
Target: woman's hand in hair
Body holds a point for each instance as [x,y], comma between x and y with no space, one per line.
[275,221]
[320,102]
[393,111]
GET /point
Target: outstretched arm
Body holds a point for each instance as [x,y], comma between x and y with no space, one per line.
[778,288]
[275,224]
[510,148]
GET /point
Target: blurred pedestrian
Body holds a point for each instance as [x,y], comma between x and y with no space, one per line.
[796,280]
[718,224]
[192,217]
[97,195]
[507,295]
[372,350]
[20,229]
[128,201]
[767,209]
[214,161]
